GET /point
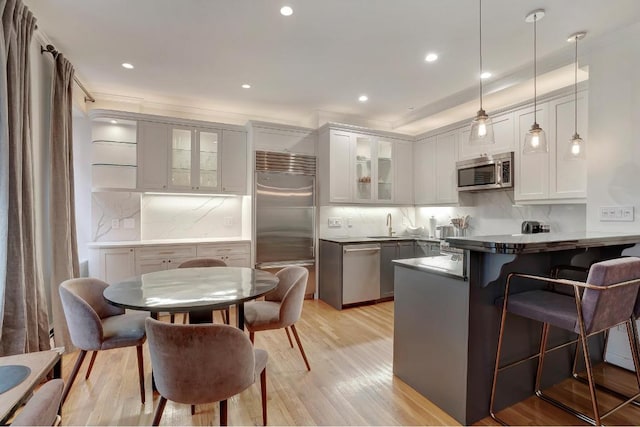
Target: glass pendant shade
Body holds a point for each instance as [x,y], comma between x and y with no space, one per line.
[481,126]
[481,130]
[576,147]
[535,141]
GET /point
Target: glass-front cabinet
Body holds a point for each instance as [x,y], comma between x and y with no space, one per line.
[385,170]
[364,169]
[373,169]
[181,153]
[194,159]
[207,173]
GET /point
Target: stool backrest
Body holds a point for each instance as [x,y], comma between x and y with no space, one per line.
[604,309]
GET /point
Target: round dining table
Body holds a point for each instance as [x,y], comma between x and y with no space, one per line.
[197,291]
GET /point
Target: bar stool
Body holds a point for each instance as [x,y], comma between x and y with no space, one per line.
[609,299]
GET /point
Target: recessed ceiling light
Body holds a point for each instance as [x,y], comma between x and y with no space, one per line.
[431,57]
[485,75]
[246,86]
[363,98]
[286,11]
[127,65]
[114,122]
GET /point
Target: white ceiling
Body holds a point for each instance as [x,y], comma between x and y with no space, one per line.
[197,53]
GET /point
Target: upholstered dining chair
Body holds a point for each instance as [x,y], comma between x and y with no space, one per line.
[281,308]
[203,363]
[204,262]
[97,325]
[43,407]
[608,298]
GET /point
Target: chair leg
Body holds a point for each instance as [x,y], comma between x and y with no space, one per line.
[172,317]
[74,373]
[223,412]
[503,320]
[159,410]
[263,393]
[289,336]
[93,359]
[304,356]
[592,387]
[251,337]
[543,349]
[227,316]
[631,333]
[141,372]
[193,410]
[185,317]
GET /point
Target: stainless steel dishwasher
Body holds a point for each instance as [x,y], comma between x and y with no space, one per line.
[360,273]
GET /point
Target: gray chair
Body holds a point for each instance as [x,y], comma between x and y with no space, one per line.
[281,308]
[205,262]
[43,407]
[203,363]
[97,325]
[608,299]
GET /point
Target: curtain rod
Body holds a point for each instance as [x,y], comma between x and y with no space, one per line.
[52,50]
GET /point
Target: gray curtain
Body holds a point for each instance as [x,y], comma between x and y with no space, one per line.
[25,325]
[64,249]
[4,166]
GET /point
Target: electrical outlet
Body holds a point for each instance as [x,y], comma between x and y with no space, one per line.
[335,222]
[349,222]
[228,221]
[129,223]
[115,224]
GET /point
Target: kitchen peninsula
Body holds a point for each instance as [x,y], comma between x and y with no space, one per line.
[446,325]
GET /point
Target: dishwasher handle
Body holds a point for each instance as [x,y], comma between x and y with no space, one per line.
[362,250]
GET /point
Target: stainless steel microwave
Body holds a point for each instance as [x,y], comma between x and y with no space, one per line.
[485,173]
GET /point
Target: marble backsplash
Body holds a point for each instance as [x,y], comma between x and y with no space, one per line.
[357,221]
[495,212]
[491,212]
[122,216]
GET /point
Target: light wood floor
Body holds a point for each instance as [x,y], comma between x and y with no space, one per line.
[351,383]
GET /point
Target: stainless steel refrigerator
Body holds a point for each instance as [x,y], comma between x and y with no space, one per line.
[285,212]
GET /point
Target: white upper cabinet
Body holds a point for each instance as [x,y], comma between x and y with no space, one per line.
[153,156]
[503,125]
[424,171]
[364,168]
[282,138]
[553,177]
[403,173]
[233,162]
[532,170]
[568,174]
[434,165]
[182,158]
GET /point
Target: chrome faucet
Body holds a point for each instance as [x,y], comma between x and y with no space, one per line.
[389,224]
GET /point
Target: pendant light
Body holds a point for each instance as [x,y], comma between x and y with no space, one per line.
[481,126]
[576,145]
[535,141]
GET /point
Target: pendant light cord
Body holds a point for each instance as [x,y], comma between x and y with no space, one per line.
[535,105]
[480,14]
[575,92]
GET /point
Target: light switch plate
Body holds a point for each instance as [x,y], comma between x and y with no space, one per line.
[115,224]
[129,223]
[228,221]
[616,213]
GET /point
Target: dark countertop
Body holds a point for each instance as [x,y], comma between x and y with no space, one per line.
[540,242]
[450,265]
[348,240]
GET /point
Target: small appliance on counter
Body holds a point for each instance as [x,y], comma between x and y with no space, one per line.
[531,227]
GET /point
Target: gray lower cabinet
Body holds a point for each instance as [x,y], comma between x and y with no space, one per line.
[388,252]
